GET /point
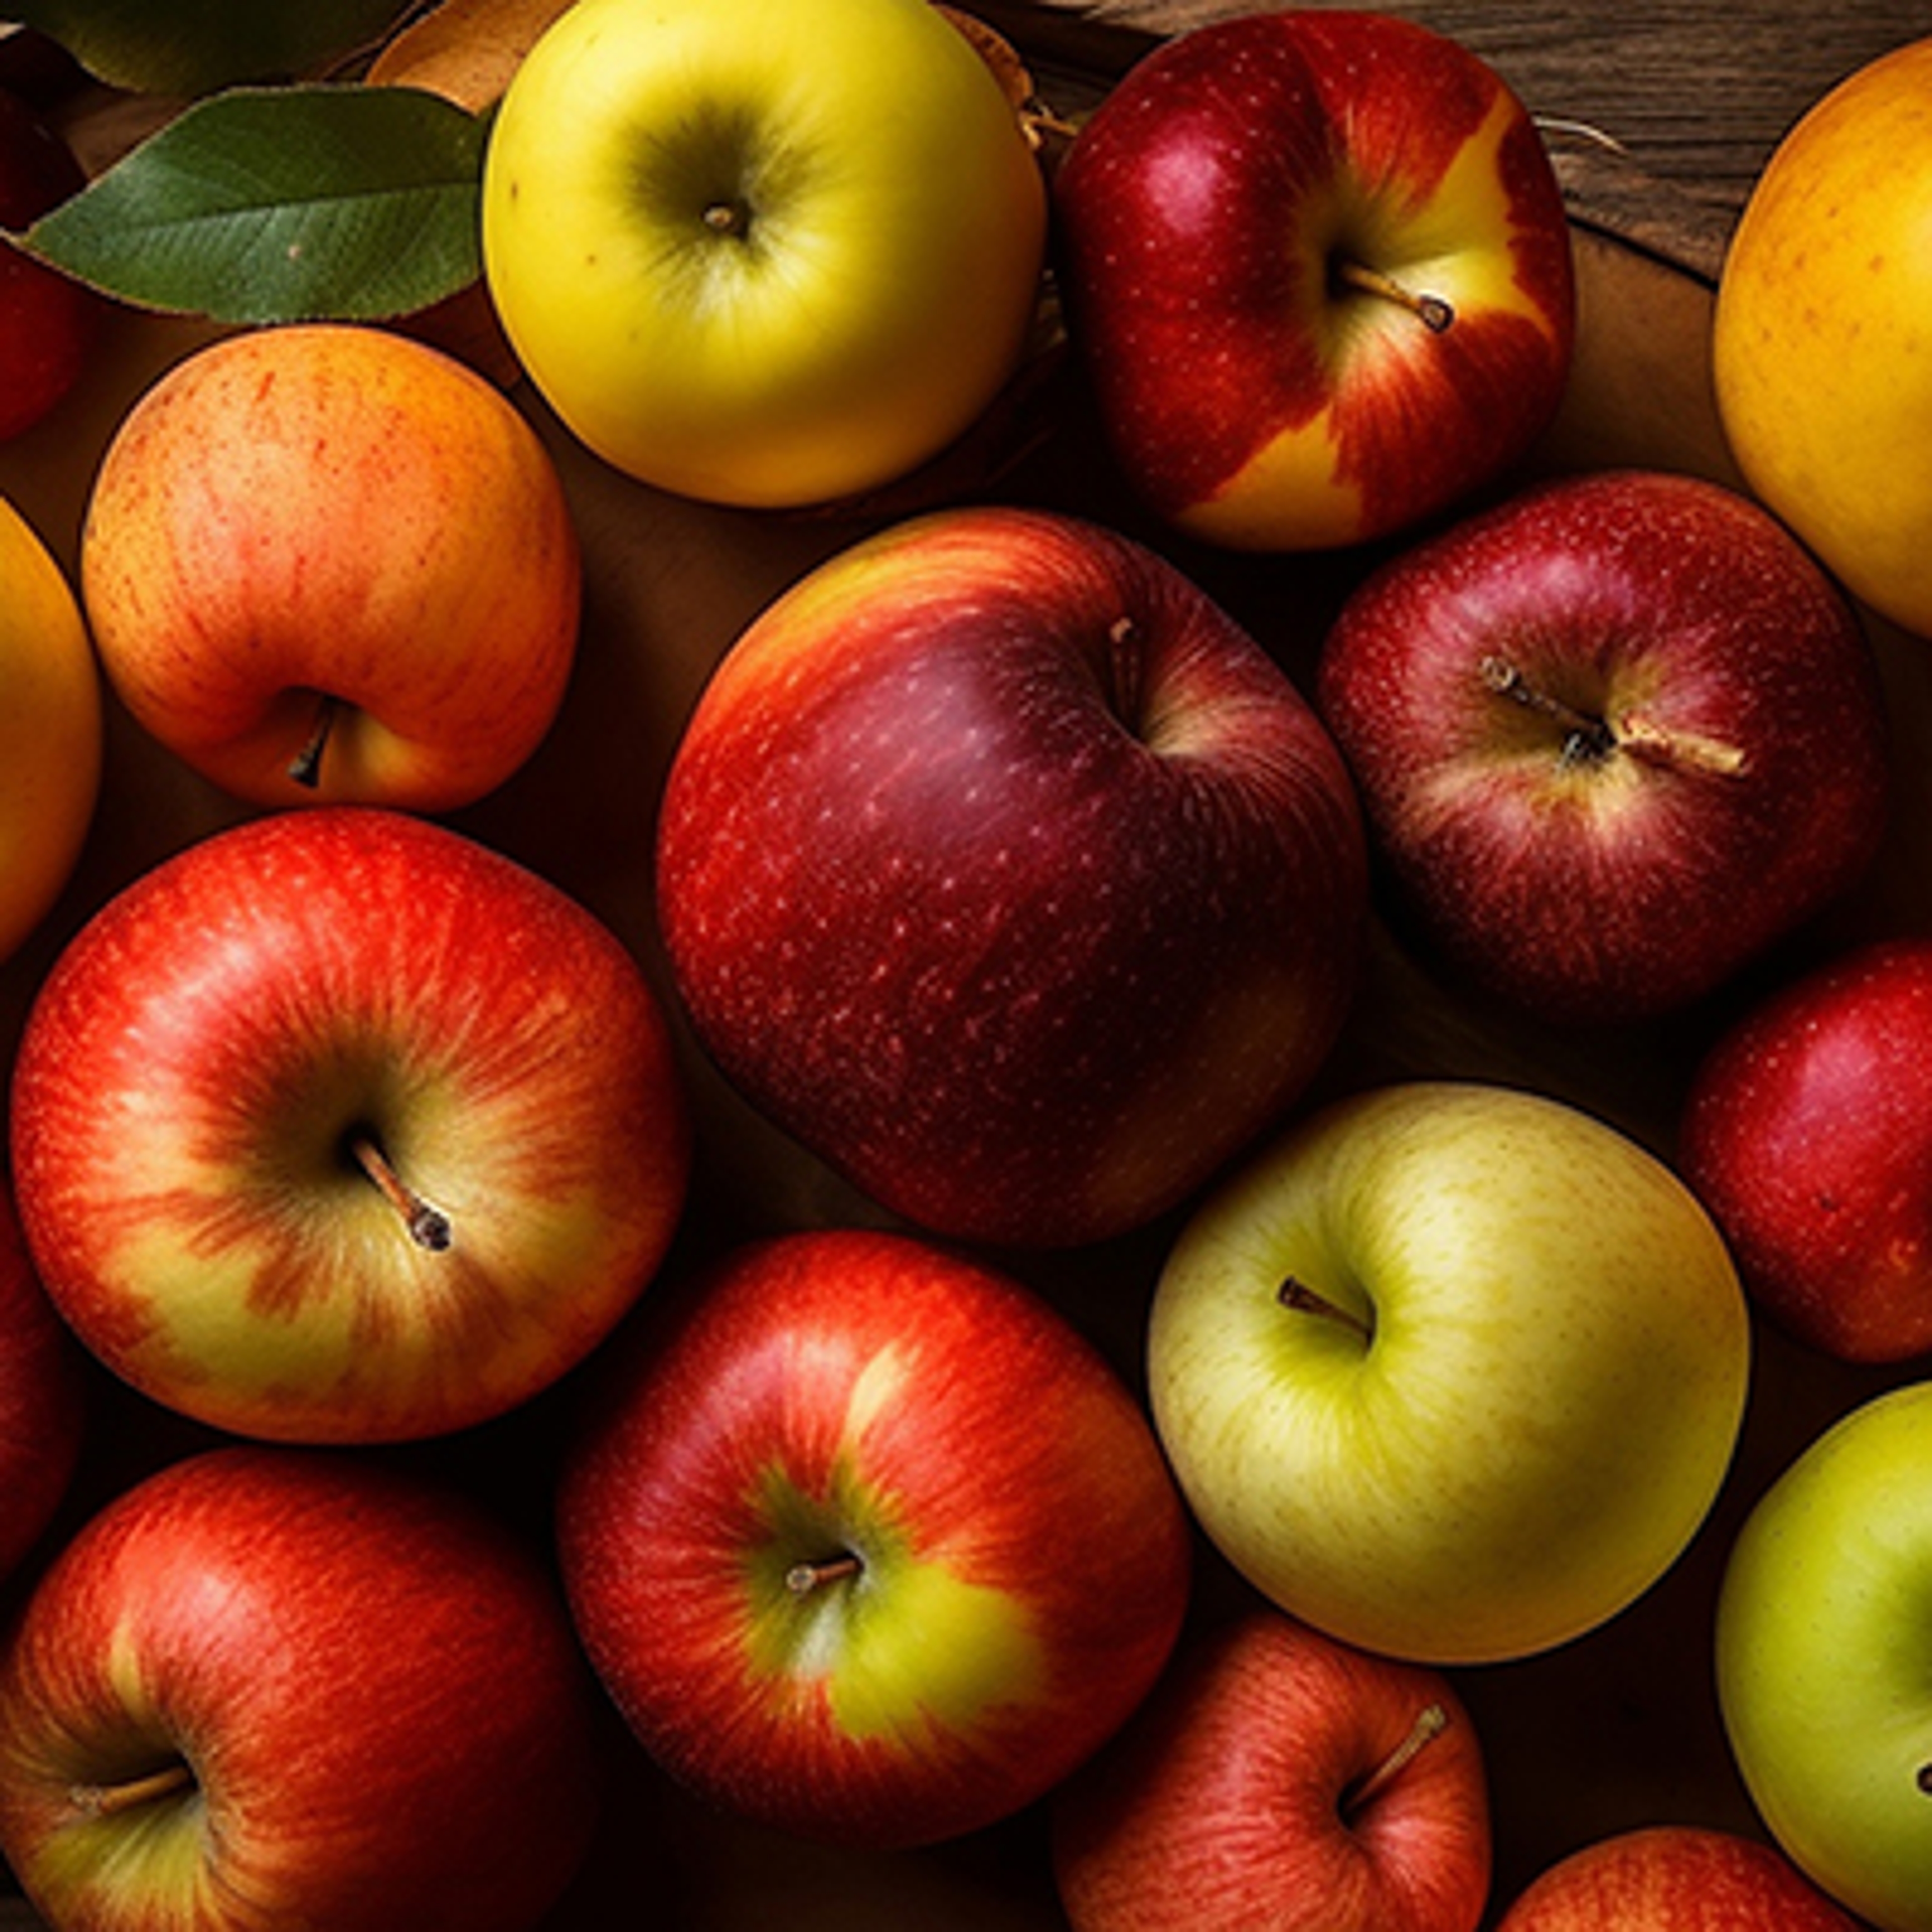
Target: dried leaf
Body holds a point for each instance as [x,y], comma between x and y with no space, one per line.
[466,50]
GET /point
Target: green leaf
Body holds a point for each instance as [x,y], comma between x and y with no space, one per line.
[194,46]
[340,203]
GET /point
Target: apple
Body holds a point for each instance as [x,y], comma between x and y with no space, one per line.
[326,562]
[51,730]
[277,1686]
[336,1126]
[1317,267]
[1276,1777]
[49,321]
[1001,867]
[1807,1132]
[1821,371]
[1614,737]
[1674,1878]
[1820,1645]
[44,1402]
[764,255]
[1451,1371]
[867,1542]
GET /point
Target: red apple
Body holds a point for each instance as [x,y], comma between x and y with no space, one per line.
[867,1542]
[1808,1133]
[1277,1778]
[1001,867]
[1318,267]
[48,321]
[338,1126]
[280,1687]
[1614,737]
[1675,1878]
[43,1402]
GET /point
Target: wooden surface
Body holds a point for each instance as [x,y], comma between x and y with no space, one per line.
[1618,1730]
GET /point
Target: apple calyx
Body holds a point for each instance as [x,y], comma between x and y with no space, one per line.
[802,1578]
[305,767]
[728,218]
[428,1227]
[1436,314]
[1589,739]
[1431,1721]
[1296,1294]
[109,1801]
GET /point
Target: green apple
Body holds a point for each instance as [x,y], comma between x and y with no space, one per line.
[1451,1371]
[1822,1659]
[758,254]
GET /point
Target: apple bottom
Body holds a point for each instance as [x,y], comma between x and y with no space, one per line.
[867,1543]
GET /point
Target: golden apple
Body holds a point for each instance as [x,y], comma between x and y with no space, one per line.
[1821,356]
[50,729]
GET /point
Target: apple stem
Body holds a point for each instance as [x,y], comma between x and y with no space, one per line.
[802,1579]
[108,1800]
[727,217]
[428,1227]
[1297,1294]
[1431,1721]
[1126,661]
[1437,315]
[305,767]
[1596,737]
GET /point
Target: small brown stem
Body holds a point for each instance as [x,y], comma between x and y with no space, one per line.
[428,1227]
[1596,737]
[108,1800]
[305,767]
[1682,750]
[802,1579]
[1437,315]
[1126,662]
[727,218]
[1297,1294]
[1431,1721]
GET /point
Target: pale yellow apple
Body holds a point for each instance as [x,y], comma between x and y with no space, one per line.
[1822,352]
[50,729]
[763,254]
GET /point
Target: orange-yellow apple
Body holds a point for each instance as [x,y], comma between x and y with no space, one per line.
[1820,356]
[1318,268]
[50,729]
[327,562]
[763,254]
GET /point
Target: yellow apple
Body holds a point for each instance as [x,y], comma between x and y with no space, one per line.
[762,255]
[1821,357]
[50,729]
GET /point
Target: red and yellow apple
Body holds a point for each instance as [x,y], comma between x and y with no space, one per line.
[338,1126]
[867,1542]
[1002,868]
[1318,269]
[329,563]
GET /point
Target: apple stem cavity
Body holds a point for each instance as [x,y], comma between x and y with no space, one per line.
[1587,739]
[1297,1294]
[802,1578]
[428,1227]
[109,1801]
[1436,315]
[305,767]
[1431,1721]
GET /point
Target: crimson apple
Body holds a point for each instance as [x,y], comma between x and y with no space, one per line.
[42,1400]
[1675,1878]
[1614,736]
[1318,267]
[339,1126]
[49,321]
[1808,1133]
[1001,867]
[867,1542]
[276,1687]
[1277,1778]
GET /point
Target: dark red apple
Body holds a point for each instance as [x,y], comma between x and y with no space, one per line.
[1615,737]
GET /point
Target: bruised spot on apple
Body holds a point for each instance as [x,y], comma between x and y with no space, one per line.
[339,1126]
[867,1542]
[1319,271]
